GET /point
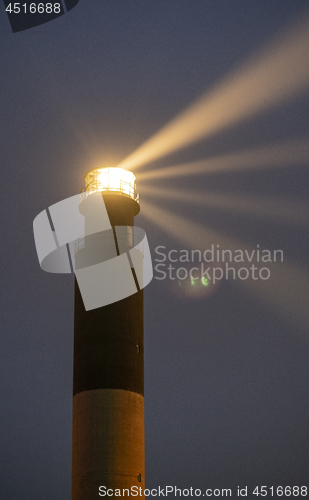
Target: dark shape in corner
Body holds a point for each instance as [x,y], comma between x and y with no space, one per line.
[25,19]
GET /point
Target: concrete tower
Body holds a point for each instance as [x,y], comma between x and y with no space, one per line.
[108,394]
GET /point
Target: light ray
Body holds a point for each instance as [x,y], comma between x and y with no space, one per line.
[279,72]
[286,291]
[269,208]
[278,155]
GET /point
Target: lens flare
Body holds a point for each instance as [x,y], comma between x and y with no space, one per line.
[277,73]
[195,289]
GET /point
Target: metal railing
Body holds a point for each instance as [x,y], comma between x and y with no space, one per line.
[124,189]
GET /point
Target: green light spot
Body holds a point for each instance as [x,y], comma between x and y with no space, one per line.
[192,281]
[204,281]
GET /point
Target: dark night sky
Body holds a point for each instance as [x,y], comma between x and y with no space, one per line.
[226,376]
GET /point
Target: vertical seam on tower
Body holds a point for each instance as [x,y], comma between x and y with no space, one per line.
[115,238]
[133,272]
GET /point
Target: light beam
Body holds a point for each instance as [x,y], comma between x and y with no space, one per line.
[279,72]
[269,208]
[294,152]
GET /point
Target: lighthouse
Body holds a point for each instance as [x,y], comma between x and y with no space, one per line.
[108,379]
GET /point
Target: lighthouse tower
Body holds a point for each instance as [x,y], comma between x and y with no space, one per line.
[108,391]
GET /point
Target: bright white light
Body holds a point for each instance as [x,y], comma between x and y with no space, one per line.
[118,180]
